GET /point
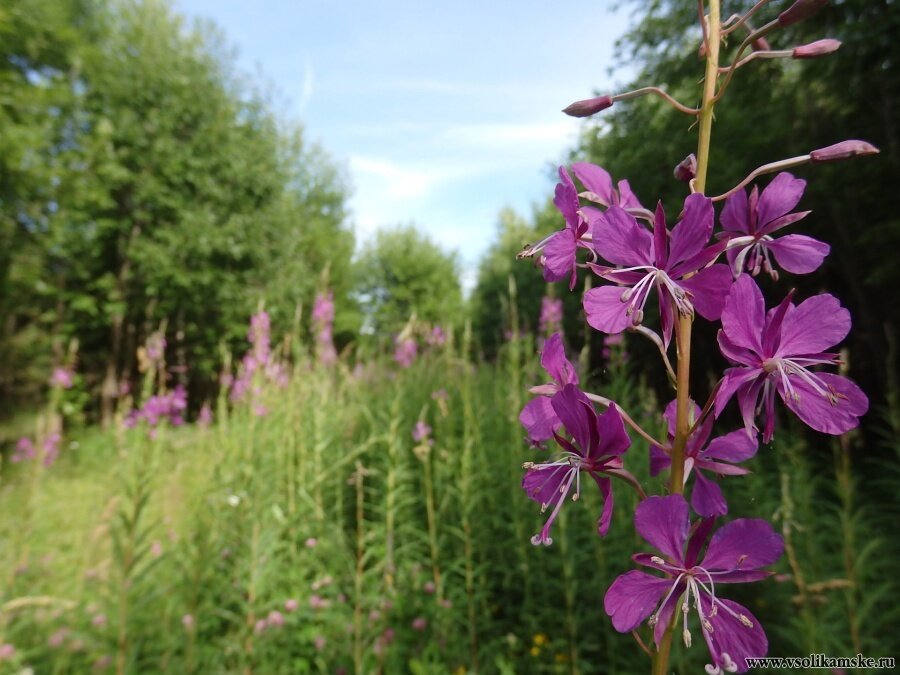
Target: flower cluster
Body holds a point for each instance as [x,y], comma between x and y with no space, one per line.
[323,323]
[258,362]
[168,407]
[654,279]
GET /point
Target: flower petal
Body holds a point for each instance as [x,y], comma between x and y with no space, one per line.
[663,522]
[706,498]
[597,180]
[605,310]
[605,485]
[690,235]
[734,446]
[554,361]
[709,288]
[539,419]
[736,214]
[743,544]
[566,198]
[559,256]
[659,460]
[819,412]
[614,440]
[620,239]
[813,326]
[633,597]
[744,314]
[542,483]
[577,415]
[735,379]
[779,197]
[730,640]
[798,253]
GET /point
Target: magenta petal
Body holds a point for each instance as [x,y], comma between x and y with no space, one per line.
[813,326]
[554,361]
[736,214]
[664,616]
[743,544]
[605,310]
[566,198]
[819,412]
[734,446]
[731,637]
[666,314]
[633,597]
[734,353]
[620,239]
[798,254]
[659,460]
[542,483]
[779,197]
[690,235]
[627,198]
[559,256]
[709,288]
[539,419]
[733,380]
[706,498]
[744,314]
[663,522]
[605,519]
[597,180]
[577,415]
[614,440]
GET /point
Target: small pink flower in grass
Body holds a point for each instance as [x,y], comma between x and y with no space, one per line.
[717,456]
[275,619]
[63,378]
[291,605]
[58,638]
[676,264]
[156,548]
[260,626]
[188,622]
[24,451]
[538,416]
[421,433]
[7,651]
[205,417]
[317,602]
[99,620]
[773,353]
[420,623]
[319,642]
[599,442]
[405,351]
[429,587]
[736,554]
[311,542]
[751,221]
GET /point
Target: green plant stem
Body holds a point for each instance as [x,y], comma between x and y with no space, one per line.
[685,322]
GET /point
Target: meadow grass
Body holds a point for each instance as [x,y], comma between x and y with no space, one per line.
[310,532]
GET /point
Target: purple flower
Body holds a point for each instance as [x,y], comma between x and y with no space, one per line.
[772,352]
[551,317]
[599,442]
[735,554]
[560,248]
[675,263]
[188,622]
[205,417]
[538,416]
[599,187]
[437,337]
[405,351]
[420,623]
[24,451]
[63,378]
[752,221]
[275,619]
[291,605]
[421,432]
[323,323]
[718,457]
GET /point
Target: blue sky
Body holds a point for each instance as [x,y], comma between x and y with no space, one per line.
[441,113]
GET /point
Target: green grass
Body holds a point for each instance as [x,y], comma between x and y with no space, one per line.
[105,553]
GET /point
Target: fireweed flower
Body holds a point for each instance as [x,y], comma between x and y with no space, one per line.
[736,554]
[560,248]
[675,263]
[599,442]
[773,352]
[421,433]
[63,378]
[405,351]
[323,322]
[751,222]
[717,456]
[551,317]
[538,416]
[599,187]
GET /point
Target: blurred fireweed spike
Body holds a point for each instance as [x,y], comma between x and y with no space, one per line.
[842,150]
[598,443]
[736,553]
[800,11]
[588,107]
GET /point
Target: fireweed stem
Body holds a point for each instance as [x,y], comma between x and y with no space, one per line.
[683,334]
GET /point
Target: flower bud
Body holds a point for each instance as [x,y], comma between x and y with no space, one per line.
[799,11]
[687,168]
[760,45]
[817,48]
[588,107]
[842,150]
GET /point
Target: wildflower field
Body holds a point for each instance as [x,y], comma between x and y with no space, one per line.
[371,519]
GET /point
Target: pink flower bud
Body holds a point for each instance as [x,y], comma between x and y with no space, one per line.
[275,619]
[291,605]
[799,11]
[687,168]
[842,150]
[817,48]
[419,623]
[588,107]
[188,622]
[760,45]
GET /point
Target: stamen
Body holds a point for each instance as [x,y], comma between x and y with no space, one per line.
[656,559]
[744,620]
[686,635]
